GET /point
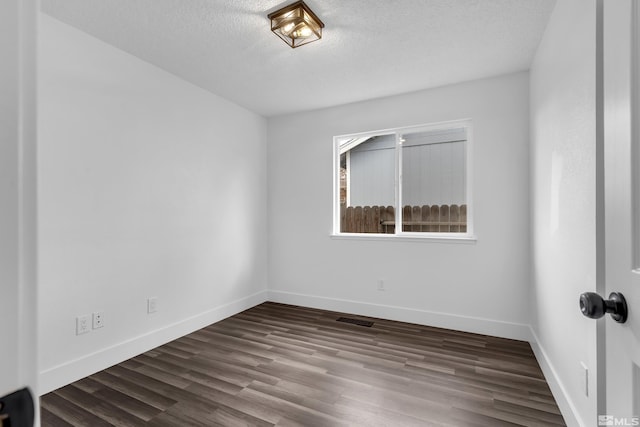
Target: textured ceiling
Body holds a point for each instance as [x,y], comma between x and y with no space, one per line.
[369,49]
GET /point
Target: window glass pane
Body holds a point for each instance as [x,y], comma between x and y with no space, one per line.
[416,177]
[367,184]
[433,192]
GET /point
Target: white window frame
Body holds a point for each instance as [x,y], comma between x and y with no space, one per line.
[399,233]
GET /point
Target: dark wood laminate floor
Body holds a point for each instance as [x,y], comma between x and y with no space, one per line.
[290,366]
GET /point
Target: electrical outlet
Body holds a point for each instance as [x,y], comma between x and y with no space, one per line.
[381,285]
[98,319]
[152,305]
[82,324]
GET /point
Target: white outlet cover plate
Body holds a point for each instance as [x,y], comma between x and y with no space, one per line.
[98,319]
[152,305]
[82,325]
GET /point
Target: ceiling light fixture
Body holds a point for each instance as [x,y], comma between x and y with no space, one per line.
[296,24]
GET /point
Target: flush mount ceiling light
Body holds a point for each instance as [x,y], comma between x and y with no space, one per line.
[296,24]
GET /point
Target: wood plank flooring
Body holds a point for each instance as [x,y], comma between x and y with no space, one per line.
[283,365]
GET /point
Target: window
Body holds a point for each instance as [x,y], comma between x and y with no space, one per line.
[423,169]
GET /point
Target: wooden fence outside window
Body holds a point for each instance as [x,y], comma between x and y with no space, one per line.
[382,219]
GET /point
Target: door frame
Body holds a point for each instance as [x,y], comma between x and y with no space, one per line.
[28,179]
[600,339]
[19,134]
[623,16]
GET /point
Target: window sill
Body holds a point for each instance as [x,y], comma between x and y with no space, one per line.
[429,237]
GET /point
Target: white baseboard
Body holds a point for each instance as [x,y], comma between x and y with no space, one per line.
[565,404]
[476,325]
[74,370]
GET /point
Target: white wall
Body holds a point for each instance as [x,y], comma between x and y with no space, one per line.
[481,286]
[563,188]
[149,186]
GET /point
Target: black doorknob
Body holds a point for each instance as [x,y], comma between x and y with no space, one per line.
[17,409]
[594,306]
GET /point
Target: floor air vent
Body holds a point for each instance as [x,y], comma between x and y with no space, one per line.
[355,321]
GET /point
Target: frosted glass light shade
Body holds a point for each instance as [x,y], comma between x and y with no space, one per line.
[296,24]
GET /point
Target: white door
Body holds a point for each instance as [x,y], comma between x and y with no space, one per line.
[622,207]
[18,363]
